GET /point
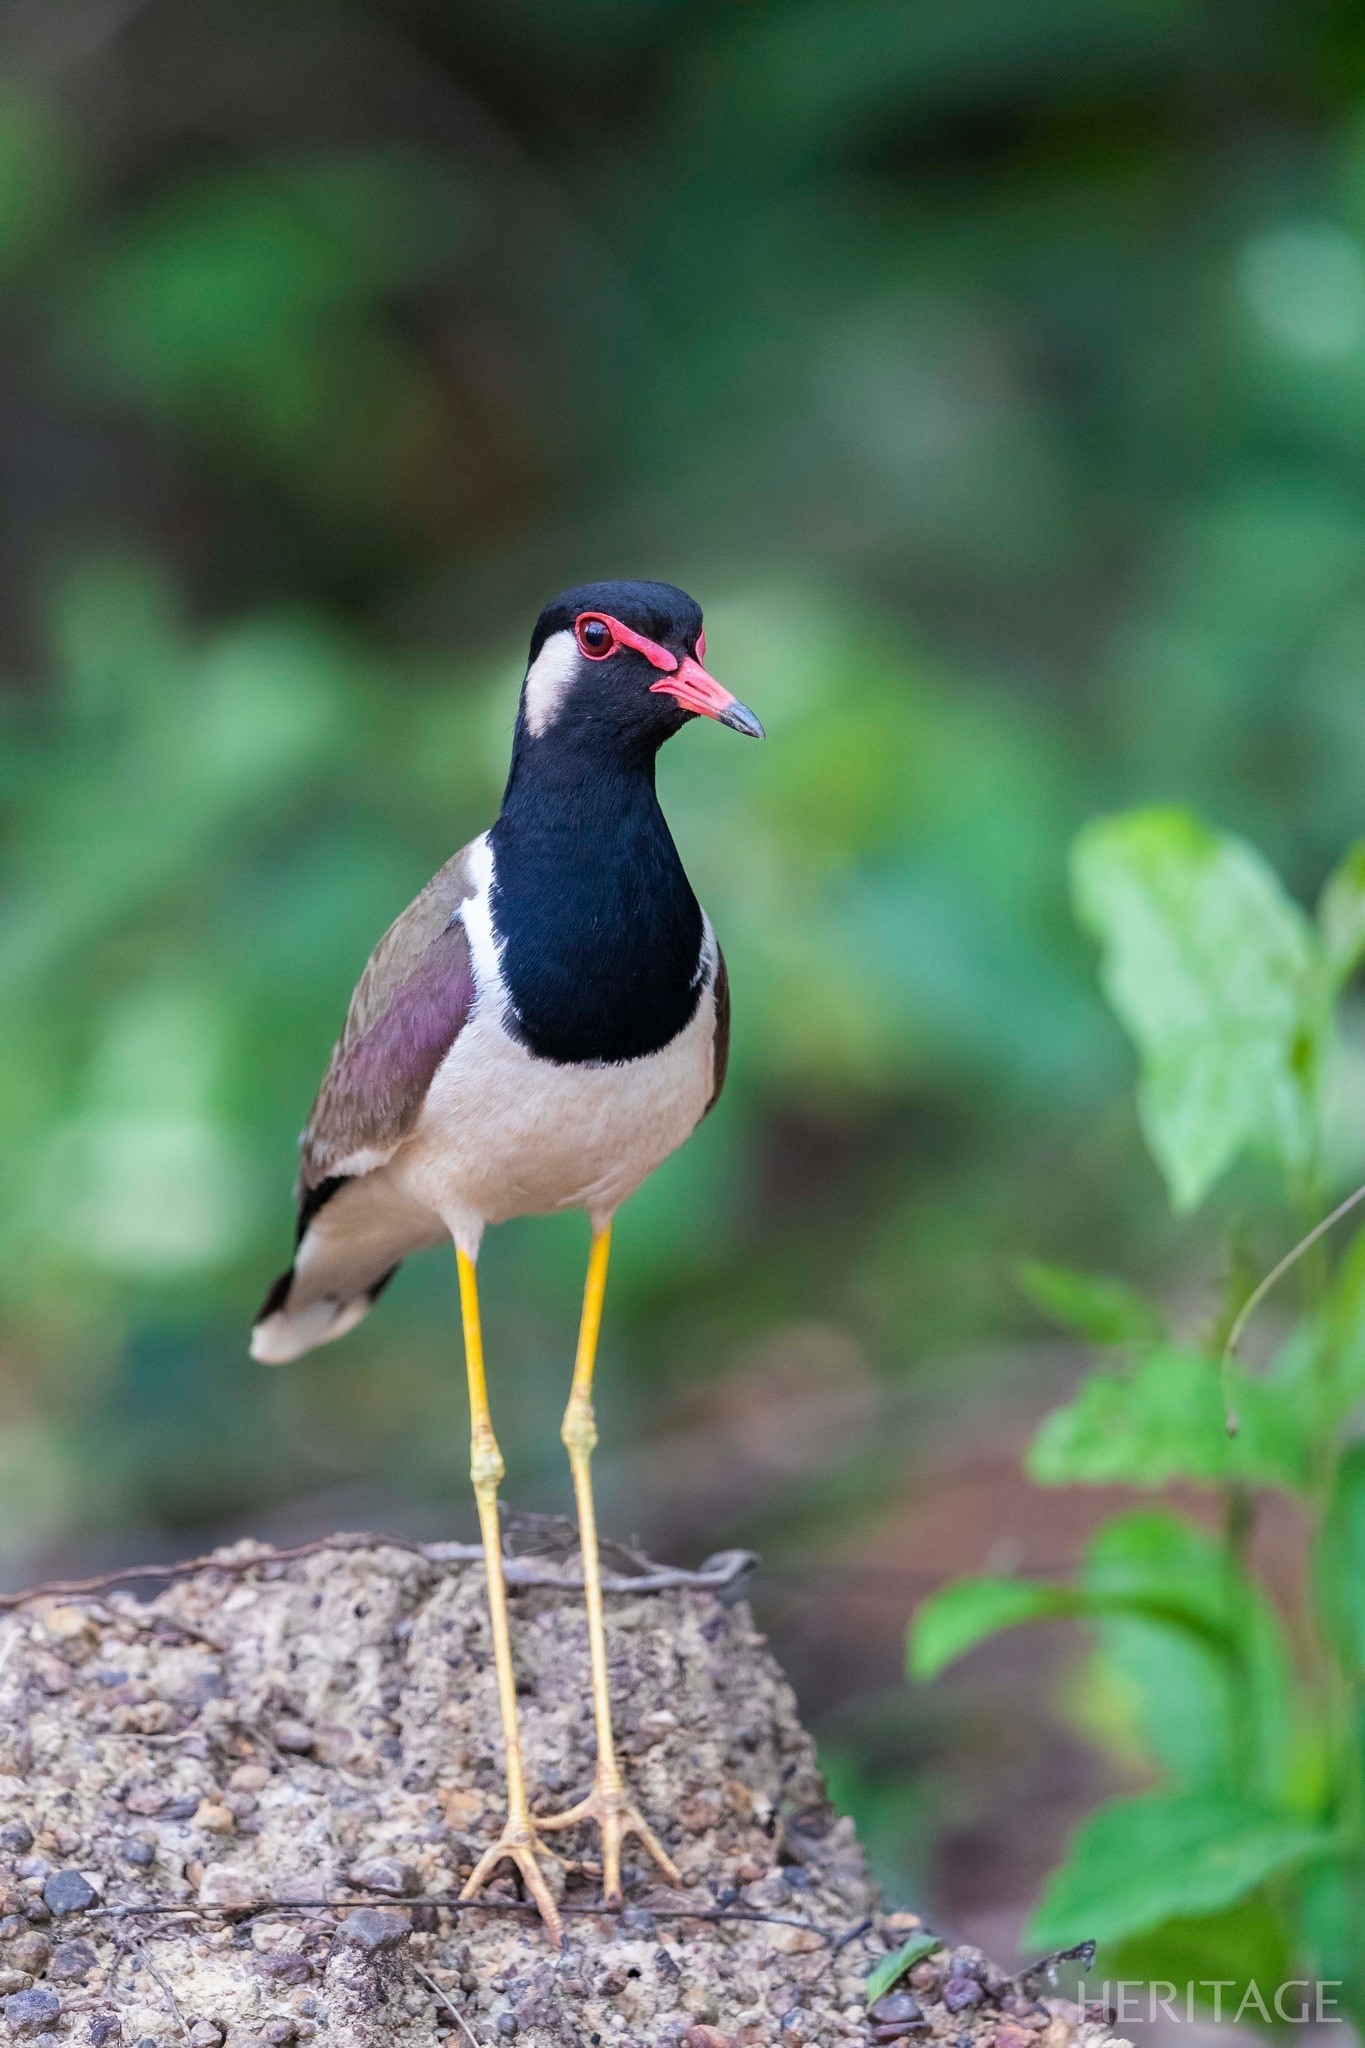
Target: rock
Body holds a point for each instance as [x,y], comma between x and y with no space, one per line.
[14,1980]
[295,1737]
[384,1874]
[72,1962]
[960,1994]
[65,1628]
[370,1928]
[145,1799]
[290,1968]
[224,1884]
[16,1838]
[278,2032]
[1009,2034]
[370,1632]
[898,2006]
[31,1952]
[53,1673]
[249,1778]
[204,2034]
[218,1820]
[31,2012]
[66,1891]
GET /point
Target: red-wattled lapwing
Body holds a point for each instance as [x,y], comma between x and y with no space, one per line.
[537,1031]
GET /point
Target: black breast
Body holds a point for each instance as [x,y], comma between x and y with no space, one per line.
[601,934]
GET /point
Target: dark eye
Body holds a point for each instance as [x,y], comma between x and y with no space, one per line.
[594,637]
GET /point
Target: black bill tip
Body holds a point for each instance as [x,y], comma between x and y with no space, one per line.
[740,718]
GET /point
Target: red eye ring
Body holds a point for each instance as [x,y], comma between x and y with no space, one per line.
[594,635]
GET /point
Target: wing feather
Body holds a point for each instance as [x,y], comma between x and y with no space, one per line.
[410,1005]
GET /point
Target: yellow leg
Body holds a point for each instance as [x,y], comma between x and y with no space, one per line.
[607,1803]
[518,1841]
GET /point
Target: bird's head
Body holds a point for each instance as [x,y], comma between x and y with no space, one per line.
[622,663]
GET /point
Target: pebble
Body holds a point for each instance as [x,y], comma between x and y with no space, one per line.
[216,1819]
[203,2034]
[961,1993]
[145,1800]
[294,1736]
[249,1778]
[66,1891]
[370,1928]
[31,2012]
[14,1980]
[225,1885]
[104,2028]
[899,2006]
[16,1838]
[278,2032]
[508,2026]
[138,1851]
[31,1952]
[384,1874]
[72,1962]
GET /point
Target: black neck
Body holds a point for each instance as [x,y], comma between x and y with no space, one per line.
[601,933]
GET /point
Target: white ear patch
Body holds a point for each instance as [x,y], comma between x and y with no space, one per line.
[548,679]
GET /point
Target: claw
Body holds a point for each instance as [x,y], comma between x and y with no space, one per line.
[518,1844]
[618,1819]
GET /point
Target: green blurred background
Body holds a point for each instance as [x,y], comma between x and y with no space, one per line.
[994,373]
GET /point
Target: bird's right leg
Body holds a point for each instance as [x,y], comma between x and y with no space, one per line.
[518,1843]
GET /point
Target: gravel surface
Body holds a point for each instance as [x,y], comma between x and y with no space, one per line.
[297,1762]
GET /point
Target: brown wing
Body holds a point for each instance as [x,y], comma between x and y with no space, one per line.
[409,1007]
[720,1044]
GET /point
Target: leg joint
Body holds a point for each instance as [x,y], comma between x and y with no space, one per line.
[579,1431]
[486,1467]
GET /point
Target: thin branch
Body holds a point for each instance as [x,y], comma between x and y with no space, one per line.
[1259,1293]
[449,2005]
[164,1987]
[453,1903]
[715,1576]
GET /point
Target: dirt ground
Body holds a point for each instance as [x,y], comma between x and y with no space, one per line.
[240,1813]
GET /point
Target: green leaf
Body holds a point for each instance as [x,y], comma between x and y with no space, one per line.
[1165,1420]
[1211,1700]
[1245,1942]
[1138,1862]
[1217,976]
[892,1968]
[1341,916]
[956,1619]
[1107,1311]
[1341,1560]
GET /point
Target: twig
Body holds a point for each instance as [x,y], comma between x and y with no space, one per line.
[854,1933]
[1259,1293]
[449,2005]
[161,1984]
[453,1903]
[718,1573]
[1046,1966]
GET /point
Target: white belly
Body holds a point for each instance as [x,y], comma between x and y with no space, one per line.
[504,1134]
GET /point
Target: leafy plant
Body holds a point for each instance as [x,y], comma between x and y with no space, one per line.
[1250,1851]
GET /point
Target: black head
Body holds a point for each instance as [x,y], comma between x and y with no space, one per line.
[620,664]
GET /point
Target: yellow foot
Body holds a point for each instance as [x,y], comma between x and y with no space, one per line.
[608,1805]
[518,1844]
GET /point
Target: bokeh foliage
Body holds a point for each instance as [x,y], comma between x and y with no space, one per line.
[994,372]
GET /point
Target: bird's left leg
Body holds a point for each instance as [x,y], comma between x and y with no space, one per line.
[608,1803]
[518,1842]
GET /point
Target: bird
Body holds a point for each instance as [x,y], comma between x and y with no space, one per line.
[540,1029]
